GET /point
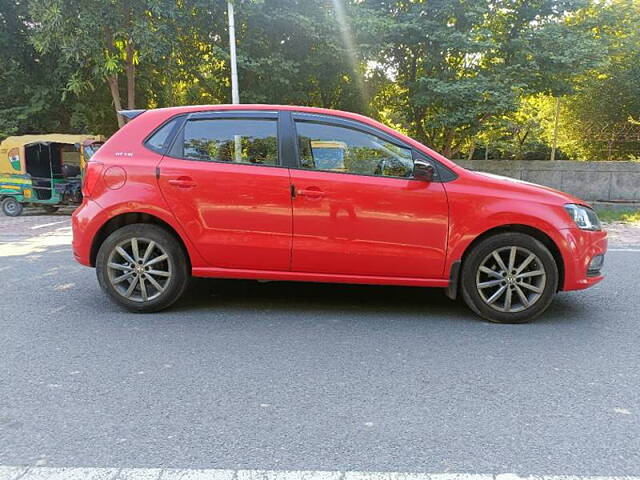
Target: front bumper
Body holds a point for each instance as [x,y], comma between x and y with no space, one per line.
[581,246]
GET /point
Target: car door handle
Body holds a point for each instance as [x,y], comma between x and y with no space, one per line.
[182,182]
[311,192]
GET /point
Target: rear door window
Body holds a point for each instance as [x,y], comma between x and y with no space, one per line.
[231,140]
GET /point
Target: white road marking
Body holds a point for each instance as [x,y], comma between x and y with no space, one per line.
[44,225]
[622,411]
[67,473]
[9,473]
[623,250]
[197,475]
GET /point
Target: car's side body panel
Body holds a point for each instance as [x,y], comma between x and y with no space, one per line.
[365,230]
[479,204]
[365,225]
[238,215]
[126,184]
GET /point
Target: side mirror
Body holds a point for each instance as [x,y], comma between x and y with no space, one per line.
[423,171]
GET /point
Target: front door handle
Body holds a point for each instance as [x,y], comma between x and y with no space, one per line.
[182,182]
[311,193]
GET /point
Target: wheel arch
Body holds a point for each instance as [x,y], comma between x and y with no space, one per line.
[536,233]
[130,218]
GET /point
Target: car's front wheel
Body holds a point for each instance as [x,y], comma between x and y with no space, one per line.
[142,267]
[509,278]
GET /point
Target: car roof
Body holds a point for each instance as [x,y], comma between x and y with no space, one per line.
[167,112]
[264,107]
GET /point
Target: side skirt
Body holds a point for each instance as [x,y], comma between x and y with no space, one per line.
[317,277]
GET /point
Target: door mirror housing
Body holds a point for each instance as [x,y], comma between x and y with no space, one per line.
[423,171]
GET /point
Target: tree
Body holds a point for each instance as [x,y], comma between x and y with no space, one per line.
[595,120]
[292,52]
[30,84]
[105,38]
[448,66]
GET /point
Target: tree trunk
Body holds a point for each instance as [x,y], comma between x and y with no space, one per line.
[472,150]
[449,135]
[130,71]
[112,80]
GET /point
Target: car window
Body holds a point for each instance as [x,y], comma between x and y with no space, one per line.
[159,140]
[232,140]
[342,149]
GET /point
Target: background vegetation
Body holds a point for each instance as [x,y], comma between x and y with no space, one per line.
[471,78]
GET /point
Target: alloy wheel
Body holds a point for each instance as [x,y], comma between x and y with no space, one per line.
[511,279]
[139,269]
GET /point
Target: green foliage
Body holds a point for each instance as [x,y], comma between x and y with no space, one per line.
[610,216]
[460,75]
[449,66]
[596,119]
[30,84]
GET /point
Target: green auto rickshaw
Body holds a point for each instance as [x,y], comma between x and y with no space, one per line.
[43,170]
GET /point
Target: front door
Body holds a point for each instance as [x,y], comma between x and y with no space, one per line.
[225,184]
[357,209]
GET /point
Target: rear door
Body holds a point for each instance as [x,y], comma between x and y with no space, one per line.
[226,184]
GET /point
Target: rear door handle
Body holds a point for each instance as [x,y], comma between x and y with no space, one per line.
[311,192]
[182,182]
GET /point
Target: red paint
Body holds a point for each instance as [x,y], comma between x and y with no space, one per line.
[362,225]
[241,221]
[114,177]
[239,216]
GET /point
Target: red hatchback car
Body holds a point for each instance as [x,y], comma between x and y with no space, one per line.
[295,193]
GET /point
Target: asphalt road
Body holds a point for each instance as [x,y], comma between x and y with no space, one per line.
[305,376]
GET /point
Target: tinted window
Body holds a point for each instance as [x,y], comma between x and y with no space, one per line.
[159,140]
[342,149]
[232,140]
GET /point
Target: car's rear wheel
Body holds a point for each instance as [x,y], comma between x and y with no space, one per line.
[11,207]
[509,278]
[142,267]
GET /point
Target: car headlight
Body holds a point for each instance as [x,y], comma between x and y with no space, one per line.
[584,217]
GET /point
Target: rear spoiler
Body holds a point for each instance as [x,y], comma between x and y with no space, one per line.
[130,114]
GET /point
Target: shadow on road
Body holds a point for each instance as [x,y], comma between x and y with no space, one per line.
[321,298]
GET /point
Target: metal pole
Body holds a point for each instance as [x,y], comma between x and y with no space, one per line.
[555,130]
[235,95]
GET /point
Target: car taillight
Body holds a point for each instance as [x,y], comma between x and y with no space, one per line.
[91,177]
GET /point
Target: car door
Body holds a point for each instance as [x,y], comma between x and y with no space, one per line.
[225,183]
[357,209]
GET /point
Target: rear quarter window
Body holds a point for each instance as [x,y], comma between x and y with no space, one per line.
[161,139]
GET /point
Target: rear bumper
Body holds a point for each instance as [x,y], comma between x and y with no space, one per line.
[84,228]
[581,246]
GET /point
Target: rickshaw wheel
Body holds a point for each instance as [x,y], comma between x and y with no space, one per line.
[11,207]
[50,208]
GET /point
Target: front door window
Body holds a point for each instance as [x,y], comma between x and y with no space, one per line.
[340,149]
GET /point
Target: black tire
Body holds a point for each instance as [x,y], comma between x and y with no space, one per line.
[482,252]
[50,208]
[176,263]
[11,207]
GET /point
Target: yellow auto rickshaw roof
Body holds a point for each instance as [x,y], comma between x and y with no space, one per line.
[19,141]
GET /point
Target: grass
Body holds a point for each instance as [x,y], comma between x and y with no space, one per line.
[618,216]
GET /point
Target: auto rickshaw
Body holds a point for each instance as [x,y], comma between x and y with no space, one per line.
[43,170]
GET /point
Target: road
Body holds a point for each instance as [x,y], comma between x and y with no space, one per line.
[290,376]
